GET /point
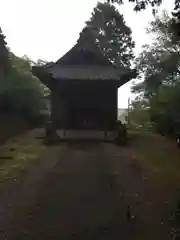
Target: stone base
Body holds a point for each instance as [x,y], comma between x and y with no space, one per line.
[86,135]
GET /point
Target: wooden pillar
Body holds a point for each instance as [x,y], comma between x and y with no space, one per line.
[105,133]
[64,132]
[105,127]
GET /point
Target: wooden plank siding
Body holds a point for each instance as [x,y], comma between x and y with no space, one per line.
[86,106]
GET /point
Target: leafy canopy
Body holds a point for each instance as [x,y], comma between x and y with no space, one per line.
[4,56]
[139,5]
[159,67]
[143,4]
[20,91]
[111,34]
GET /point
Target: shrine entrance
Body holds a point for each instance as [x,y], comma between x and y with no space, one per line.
[84,85]
[84,118]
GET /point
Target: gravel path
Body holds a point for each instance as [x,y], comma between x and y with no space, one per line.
[82,191]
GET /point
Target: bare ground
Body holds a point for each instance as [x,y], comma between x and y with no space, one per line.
[86,190]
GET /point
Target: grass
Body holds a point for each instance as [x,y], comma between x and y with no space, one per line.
[157,155]
[159,158]
[18,155]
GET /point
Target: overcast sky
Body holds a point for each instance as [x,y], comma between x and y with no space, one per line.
[47,29]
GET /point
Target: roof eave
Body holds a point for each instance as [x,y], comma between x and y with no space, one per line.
[128,77]
[43,75]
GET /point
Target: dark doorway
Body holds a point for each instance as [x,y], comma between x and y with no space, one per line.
[84,118]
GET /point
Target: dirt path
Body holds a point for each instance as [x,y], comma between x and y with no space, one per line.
[82,191]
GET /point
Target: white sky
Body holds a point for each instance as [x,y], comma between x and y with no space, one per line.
[47,29]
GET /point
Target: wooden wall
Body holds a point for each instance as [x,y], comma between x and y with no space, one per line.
[71,105]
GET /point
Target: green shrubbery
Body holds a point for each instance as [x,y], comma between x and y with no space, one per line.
[158,92]
[20,92]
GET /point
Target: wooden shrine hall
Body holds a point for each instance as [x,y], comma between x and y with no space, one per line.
[84,86]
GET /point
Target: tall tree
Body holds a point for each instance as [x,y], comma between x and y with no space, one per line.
[143,4]
[4,55]
[111,34]
[159,65]
[160,60]
[139,5]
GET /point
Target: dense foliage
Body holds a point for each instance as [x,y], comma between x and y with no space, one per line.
[143,4]
[4,63]
[139,5]
[20,92]
[111,34]
[159,68]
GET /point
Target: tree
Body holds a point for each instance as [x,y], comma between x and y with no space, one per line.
[160,60]
[41,62]
[143,4]
[110,33]
[4,56]
[139,5]
[139,113]
[21,92]
[159,65]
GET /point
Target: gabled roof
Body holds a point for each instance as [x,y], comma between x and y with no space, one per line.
[89,72]
[84,52]
[84,61]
